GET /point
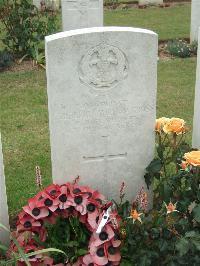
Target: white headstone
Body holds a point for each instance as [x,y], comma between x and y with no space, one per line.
[195,20]
[150,2]
[102,106]
[77,14]
[196,119]
[4,218]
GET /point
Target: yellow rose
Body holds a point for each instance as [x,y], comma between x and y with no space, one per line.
[193,158]
[175,125]
[160,122]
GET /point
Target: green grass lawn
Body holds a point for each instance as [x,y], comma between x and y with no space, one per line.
[24,121]
[169,23]
[176,83]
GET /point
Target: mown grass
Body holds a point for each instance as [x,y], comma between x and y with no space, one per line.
[24,125]
[24,121]
[170,23]
[176,85]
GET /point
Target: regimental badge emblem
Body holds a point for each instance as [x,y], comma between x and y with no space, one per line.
[103,67]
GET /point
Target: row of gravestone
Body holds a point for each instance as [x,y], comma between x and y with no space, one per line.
[89,13]
[55,4]
[101,85]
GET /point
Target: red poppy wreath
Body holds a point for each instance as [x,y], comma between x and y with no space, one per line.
[68,202]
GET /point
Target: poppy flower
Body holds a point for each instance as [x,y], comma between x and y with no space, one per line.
[35,211]
[87,260]
[47,201]
[53,191]
[65,198]
[105,254]
[93,211]
[106,235]
[27,222]
[69,200]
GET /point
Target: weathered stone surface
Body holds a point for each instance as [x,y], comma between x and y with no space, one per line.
[4,218]
[150,2]
[196,119]
[195,20]
[102,106]
[77,14]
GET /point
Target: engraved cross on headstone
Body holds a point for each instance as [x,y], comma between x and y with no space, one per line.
[78,14]
[106,156]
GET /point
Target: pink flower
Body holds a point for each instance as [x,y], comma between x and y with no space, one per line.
[53,191]
[93,212]
[47,201]
[65,198]
[65,201]
[35,211]
[27,222]
[81,203]
[106,235]
[105,253]
[87,260]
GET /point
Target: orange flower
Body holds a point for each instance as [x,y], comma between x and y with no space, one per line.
[135,216]
[160,122]
[175,125]
[171,207]
[193,158]
[184,165]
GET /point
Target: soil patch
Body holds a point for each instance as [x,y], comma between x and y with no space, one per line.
[134,4]
[26,65]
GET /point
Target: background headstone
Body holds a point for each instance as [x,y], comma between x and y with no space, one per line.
[196,119]
[150,2]
[195,20]
[50,4]
[101,86]
[37,3]
[4,218]
[77,14]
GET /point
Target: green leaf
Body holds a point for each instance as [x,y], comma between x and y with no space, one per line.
[148,179]
[144,261]
[196,242]
[82,252]
[4,227]
[21,252]
[46,250]
[182,246]
[155,166]
[73,244]
[166,191]
[190,234]
[196,213]
[4,248]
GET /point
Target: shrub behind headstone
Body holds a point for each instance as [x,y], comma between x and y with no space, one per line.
[25,27]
